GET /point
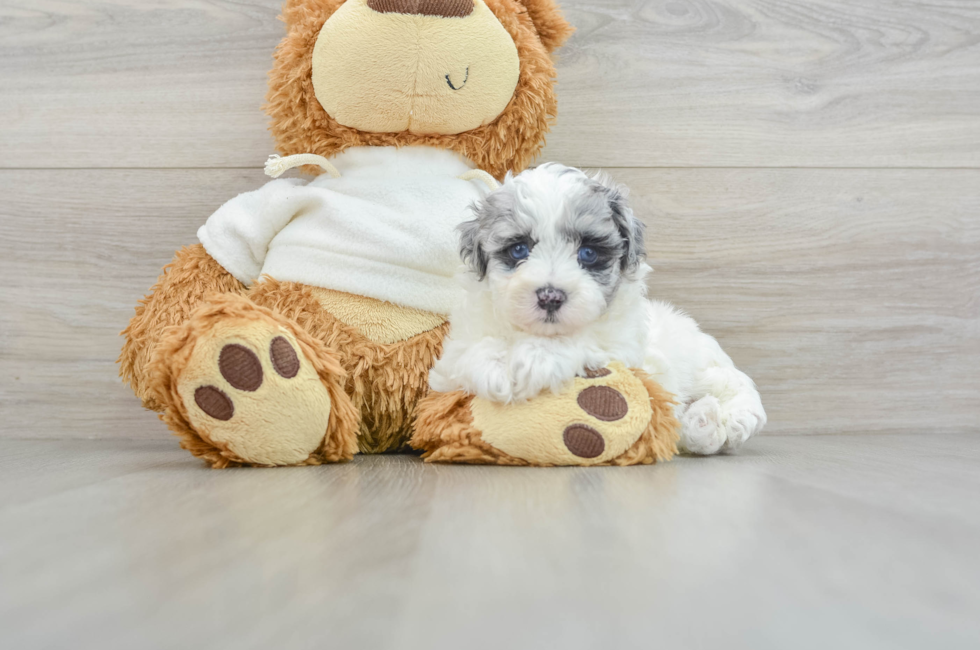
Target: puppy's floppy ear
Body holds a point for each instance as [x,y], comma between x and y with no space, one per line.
[471,248]
[552,27]
[630,228]
[497,206]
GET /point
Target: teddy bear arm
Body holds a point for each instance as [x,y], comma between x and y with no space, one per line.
[185,282]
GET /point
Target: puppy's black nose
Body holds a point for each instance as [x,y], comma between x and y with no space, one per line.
[551,299]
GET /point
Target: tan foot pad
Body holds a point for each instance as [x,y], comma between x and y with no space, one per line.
[246,386]
[615,416]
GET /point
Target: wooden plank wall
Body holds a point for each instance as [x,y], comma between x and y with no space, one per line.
[809,169]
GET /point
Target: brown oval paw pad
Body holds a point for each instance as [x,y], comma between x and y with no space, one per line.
[284,358]
[603,403]
[583,441]
[214,402]
[605,418]
[240,367]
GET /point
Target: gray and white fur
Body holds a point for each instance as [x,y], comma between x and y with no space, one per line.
[555,283]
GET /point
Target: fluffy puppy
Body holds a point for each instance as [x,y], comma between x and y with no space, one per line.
[555,285]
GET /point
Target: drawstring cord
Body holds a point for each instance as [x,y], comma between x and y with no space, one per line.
[479,174]
[276,166]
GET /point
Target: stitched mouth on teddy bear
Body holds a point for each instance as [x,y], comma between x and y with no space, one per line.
[424,74]
[452,80]
[466,78]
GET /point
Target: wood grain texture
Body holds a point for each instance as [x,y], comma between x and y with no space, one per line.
[80,248]
[850,296]
[824,542]
[137,83]
[802,83]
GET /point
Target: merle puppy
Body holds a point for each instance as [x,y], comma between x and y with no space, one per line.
[555,285]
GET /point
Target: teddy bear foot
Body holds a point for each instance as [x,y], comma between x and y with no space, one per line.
[245,386]
[614,416]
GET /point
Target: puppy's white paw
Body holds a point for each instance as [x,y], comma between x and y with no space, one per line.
[524,380]
[528,385]
[532,371]
[702,430]
[495,385]
[742,421]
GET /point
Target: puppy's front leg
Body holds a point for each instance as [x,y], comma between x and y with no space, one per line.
[540,364]
[476,368]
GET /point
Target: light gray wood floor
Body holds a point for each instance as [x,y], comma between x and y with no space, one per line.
[820,542]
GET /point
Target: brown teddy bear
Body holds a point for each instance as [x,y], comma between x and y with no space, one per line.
[302,328]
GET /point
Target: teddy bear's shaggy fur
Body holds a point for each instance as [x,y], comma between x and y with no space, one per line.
[371,387]
[446,432]
[509,143]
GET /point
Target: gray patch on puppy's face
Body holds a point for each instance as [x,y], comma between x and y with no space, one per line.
[497,227]
[631,229]
[553,226]
[471,248]
[601,220]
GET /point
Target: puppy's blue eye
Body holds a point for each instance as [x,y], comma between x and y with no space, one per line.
[587,256]
[519,252]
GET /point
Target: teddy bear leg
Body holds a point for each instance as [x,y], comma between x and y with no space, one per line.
[243,385]
[386,350]
[192,275]
[615,416]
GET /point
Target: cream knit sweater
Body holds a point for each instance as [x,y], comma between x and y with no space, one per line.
[385,229]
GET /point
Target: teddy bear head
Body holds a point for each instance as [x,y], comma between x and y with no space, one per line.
[472,76]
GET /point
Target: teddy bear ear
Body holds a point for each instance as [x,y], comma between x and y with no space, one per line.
[552,27]
[296,12]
